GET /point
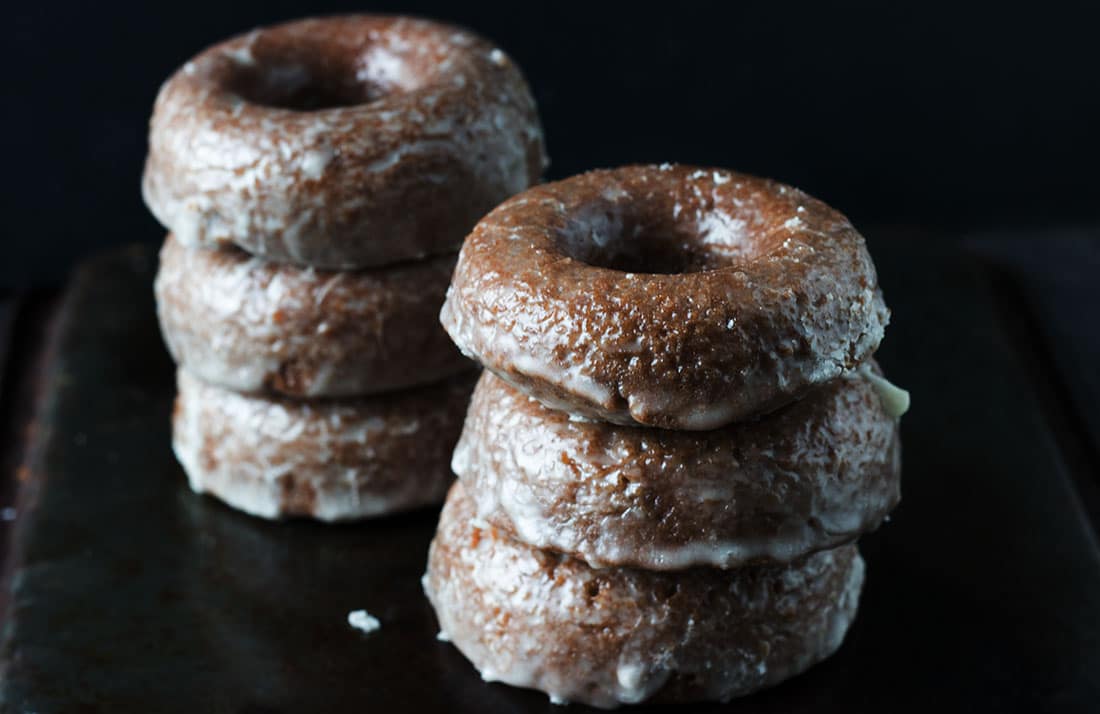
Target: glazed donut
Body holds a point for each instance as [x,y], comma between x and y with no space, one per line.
[812,476]
[537,619]
[329,460]
[253,326]
[341,142]
[667,296]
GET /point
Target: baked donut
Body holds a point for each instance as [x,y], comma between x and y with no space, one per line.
[329,460]
[341,142]
[668,296]
[254,326]
[811,476]
[533,618]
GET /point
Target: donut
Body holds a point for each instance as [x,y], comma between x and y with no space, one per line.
[533,618]
[329,460]
[254,326]
[667,296]
[341,142]
[814,475]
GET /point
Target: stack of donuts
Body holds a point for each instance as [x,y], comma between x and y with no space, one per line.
[679,436]
[317,178]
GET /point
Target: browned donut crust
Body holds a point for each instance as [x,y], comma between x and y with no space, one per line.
[341,142]
[811,476]
[668,296]
[254,326]
[537,619]
[330,460]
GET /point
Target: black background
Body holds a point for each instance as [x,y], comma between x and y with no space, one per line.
[945,115]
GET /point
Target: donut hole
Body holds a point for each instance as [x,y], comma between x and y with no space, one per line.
[657,254]
[295,87]
[303,76]
[649,240]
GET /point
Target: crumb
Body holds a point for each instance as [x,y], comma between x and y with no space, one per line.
[363,620]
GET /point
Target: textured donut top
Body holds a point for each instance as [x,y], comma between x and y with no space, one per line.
[315,131]
[669,296]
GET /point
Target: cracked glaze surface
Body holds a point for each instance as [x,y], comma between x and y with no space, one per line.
[668,296]
[330,460]
[255,326]
[341,142]
[810,476]
[536,619]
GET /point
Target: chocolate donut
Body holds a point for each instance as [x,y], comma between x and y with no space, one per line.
[253,326]
[667,296]
[329,460]
[814,475]
[341,142]
[537,619]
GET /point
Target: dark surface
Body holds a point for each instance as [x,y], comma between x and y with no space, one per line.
[8,307]
[937,113]
[131,594]
[1055,283]
[25,322]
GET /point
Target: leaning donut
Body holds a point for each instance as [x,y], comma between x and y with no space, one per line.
[667,296]
[326,459]
[812,476]
[533,618]
[341,142]
[254,326]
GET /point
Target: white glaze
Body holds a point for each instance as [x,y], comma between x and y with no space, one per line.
[894,399]
[317,187]
[358,459]
[813,476]
[528,624]
[246,324]
[632,348]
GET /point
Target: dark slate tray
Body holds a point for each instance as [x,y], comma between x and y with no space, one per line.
[128,593]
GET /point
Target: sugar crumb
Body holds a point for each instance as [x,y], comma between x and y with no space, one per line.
[364,621]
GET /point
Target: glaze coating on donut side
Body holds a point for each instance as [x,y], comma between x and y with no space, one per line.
[667,296]
[811,476]
[604,637]
[329,460]
[341,142]
[259,327]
